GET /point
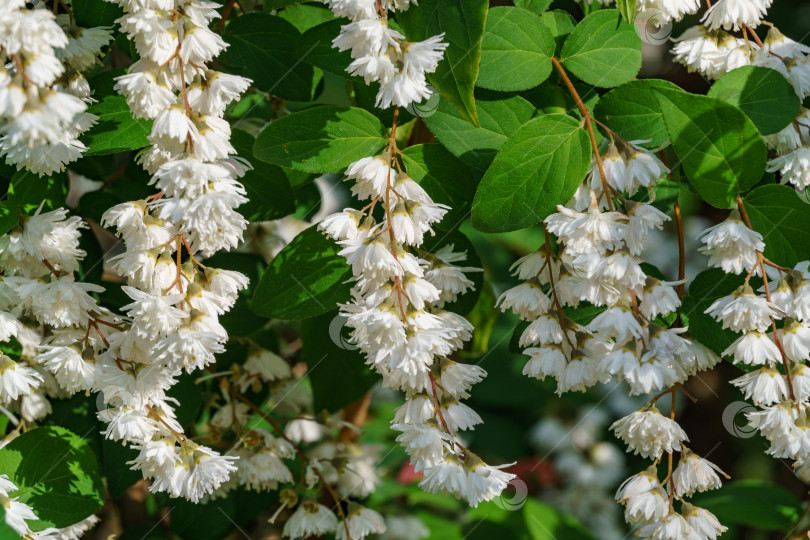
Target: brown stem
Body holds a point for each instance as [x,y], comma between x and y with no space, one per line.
[583,110]
[225,14]
[754,34]
[761,263]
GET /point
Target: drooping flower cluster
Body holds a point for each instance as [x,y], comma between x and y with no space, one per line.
[600,235]
[43,94]
[383,55]
[398,323]
[778,381]
[647,502]
[172,322]
[17,513]
[598,262]
[39,296]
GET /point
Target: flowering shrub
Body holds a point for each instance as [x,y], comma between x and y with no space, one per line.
[253,268]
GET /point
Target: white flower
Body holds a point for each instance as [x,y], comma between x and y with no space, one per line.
[153,315]
[643,217]
[765,386]
[618,322]
[648,433]
[734,14]
[754,348]
[794,166]
[659,298]
[703,523]
[70,369]
[448,475]
[671,527]
[310,519]
[485,482]
[189,349]
[546,361]
[526,300]
[731,245]
[744,311]
[426,444]
[361,522]
[16,380]
[543,330]
[695,474]
[594,231]
[644,498]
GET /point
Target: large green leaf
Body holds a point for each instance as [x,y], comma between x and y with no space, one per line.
[752,503]
[269,193]
[707,287]
[116,129]
[306,278]
[56,473]
[28,191]
[560,23]
[535,6]
[462,22]
[720,148]
[539,167]
[336,368]
[261,47]
[447,179]
[500,114]
[627,9]
[323,139]
[783,219]
[305,16]
[762,93]
[515,50]
[632,111]
[603,50]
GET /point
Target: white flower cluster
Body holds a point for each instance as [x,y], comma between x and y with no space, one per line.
[382,54]
[783,398]
[598,262]
[400,326]
[43,94]
[172,323]
[649,504]
[18,513]
[39,297]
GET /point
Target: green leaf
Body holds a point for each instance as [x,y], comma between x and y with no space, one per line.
[315,47]
[269,193]
[628,10]
[632,111]
[56,473]
[306,278]
[752,503]
[324,139]
[90,13]
[545,523]
[539,167]
[447,179]
[116,129]
[762,93]
[515,50]
[707,287]
[603,50]
[783,218]
[720,148]
[535,6]
[262,46]
[501,115]
[336,369]
[462,22]
[28,191]
[9,216]
[305,16]
[560,23]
